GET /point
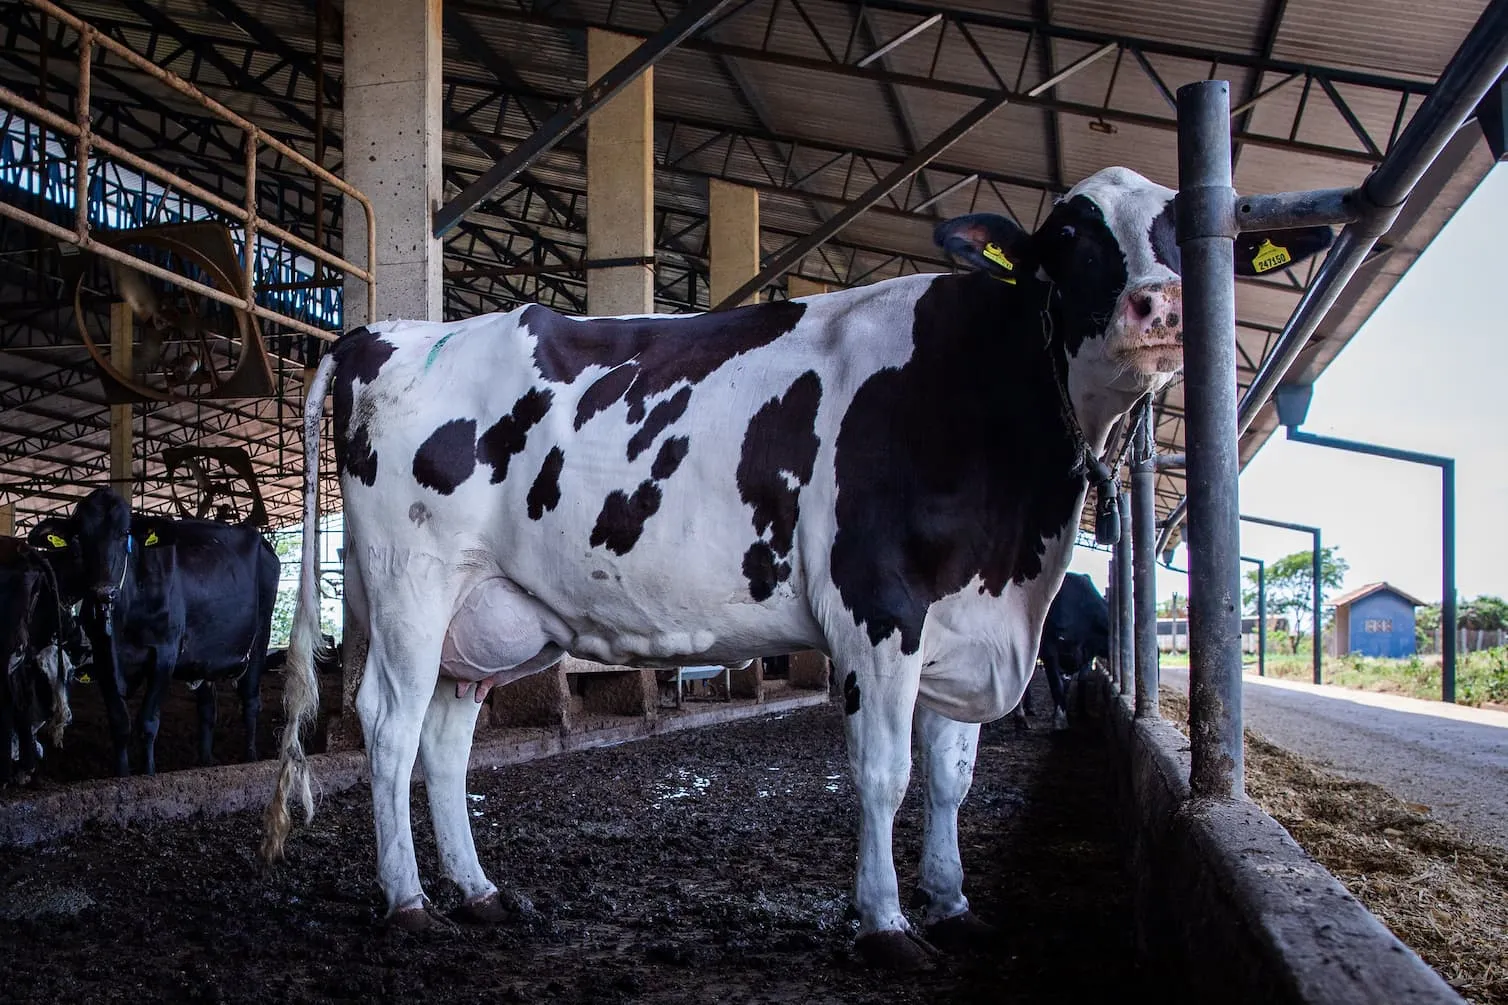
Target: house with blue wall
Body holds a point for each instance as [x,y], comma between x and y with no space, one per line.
[1376,620]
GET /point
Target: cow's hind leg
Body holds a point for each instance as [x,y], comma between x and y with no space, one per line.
[204,696]
[879,697]
[948,751]
[445,749]
[403,663]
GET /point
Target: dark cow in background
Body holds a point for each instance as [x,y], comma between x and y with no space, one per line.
[1075,632]
[165,599]
[36,670]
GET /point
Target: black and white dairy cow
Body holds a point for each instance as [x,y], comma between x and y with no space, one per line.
[891,474]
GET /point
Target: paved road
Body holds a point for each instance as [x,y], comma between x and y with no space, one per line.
[1451,758]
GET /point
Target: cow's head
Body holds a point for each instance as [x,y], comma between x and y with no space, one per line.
[1109,249]
[57,539]
[102,528]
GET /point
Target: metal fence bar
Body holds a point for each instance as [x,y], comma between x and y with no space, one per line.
[1125,610]
[1206,242]
[1144,560]
[80,130]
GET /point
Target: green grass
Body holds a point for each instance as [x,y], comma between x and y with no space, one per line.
[1481,677]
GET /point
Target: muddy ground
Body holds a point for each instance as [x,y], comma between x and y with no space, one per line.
[711,865]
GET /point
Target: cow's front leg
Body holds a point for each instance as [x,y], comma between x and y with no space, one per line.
[204,697]
[112,689]
[948,751]
[878,701]
[161,662]
[1054,671]
[444,750]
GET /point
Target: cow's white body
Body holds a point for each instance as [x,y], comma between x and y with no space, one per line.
[464,580]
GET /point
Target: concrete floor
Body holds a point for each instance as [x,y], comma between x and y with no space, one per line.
[1451,758]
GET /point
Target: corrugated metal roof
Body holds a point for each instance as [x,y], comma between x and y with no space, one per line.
[773,96]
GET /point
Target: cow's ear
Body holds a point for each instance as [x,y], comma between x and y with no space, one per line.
[985,242]
[52,534]
[152,531]
[1262,251]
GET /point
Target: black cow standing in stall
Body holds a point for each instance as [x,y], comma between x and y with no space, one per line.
[1076,630]
[164,599]
[34,691]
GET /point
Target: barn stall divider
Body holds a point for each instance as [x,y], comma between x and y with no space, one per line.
[1223,895]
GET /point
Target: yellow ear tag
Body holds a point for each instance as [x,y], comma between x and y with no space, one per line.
[151,539]
[1269,256]
[56,542]
[993,253]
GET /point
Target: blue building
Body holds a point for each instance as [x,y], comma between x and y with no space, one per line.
[1376,620]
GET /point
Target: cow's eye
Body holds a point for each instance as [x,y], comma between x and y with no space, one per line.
[1068,232]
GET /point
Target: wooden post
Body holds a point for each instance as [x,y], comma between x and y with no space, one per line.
[121,475]
[7,520]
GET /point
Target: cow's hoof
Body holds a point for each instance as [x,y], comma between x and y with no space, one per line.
[488,910]
[897,952]
[1020,723]
[1059,721]
[418,919]
[960,932]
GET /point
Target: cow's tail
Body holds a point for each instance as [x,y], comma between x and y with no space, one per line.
[300,686]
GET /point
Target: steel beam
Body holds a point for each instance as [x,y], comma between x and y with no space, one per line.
[579,109]
[1125,609]
[1447,466]
[1144,571]
[1317,572]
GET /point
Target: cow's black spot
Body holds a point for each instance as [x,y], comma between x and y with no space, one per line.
[623,516]
[1173,319]
[672,452]
[661,416]
[544,494]
[956,464]
[1163,235]
[508,435]
[361,459]
[604,391]
[652,354]
[779,446]
[1088,267]
[599,574]
[359,355]
[418,513]
[764,570]
[850,693]
[448,457]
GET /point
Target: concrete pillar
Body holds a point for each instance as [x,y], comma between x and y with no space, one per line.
[392,135]
[121,474]
[393,63]
[619,183]
[7,520]
[796,286]
[732,237]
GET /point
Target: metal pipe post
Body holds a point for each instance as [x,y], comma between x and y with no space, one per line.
[1317,571]
[1206,235]
[1261,619]
[1125,616]
[1448,586]
[1144,559]
[1113,602]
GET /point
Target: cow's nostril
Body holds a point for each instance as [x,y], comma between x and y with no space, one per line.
[1173,319]
[1141,305]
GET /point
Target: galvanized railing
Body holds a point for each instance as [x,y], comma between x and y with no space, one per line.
[86,143]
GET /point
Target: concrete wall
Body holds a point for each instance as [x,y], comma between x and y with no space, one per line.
[1226,899]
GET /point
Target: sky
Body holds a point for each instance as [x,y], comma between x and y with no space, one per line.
[1428,371]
